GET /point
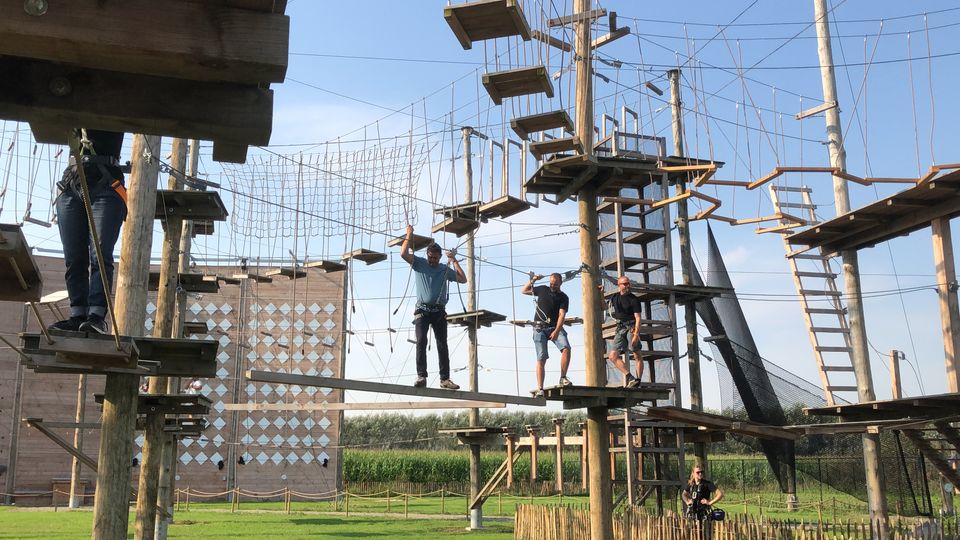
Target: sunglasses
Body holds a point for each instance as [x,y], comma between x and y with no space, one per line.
[697,472]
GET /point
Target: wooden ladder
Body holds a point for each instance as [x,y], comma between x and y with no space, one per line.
[820,299]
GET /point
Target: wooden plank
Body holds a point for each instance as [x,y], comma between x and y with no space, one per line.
[517,82]
[385,388]
[326,266]
[555,146]
[49,94]
[190,204]
[486,19]
[289,273]
[20,278]
[186,40]
[503,207]
[417,243]
[368,256]
[85,459]
[364,406]
[578,17]
[715,421]
[552,41]
[523,126]
[610,36]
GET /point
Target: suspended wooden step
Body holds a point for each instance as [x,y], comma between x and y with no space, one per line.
[291,273]
[368,256]
[179,357]
[20,279]
[417,241]
[195,328]
[487,19]
[202,227]
[181,428]
[189,282]
[633,235]
[477,435]
[579,397]
[169,403]
[555,146]
[226,280]
[255,277]
[83,349]
[635,264]
[517,82]
[475,319]
[525,125]
[456,225]
[326,266]
[190,204]
[503,207]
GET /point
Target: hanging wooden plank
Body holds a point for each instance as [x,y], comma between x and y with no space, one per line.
[486,19]
[20,278]
[517,82]
[185,40]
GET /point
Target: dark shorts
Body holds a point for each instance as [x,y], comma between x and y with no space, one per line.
[621,341]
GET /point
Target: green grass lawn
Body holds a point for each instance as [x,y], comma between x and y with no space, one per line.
[205,524]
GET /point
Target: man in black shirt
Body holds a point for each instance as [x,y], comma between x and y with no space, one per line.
[625,308]
[552,305]
[100,159]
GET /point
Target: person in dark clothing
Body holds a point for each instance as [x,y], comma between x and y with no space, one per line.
[432,295]
[700,494]
[100,157]
[625,308]
[552,306]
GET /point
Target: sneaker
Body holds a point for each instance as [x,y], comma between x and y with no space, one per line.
[538,393]
[449,385]
[421,382]
[565,382]
[96,324]
[631,382]
[68,325]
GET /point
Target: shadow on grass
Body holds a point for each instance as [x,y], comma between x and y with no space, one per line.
[337,522]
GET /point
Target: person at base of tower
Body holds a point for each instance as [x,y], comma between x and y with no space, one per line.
[100,158]
[700,494]
[552,306]
[432,293]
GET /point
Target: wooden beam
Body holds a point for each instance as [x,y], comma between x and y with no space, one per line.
[385,388]
[579,181]
[713,421]
[47,94]
[578,17]
[62,443]
[610,36]
[814,110]
[186,40]
[363,406]
[552,41]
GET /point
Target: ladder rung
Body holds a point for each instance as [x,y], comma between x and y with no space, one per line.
[841,388]
[825,311]
[830,330]
[816,274]
[791,189]
[811,257]
[834,349]
[797,205]
[837,368]
[811,292]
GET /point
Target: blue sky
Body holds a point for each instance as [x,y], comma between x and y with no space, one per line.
[362,73]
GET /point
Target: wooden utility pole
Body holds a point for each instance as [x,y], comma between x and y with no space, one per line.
[947,294]
[166,484]
[12,453]
[476,514]
[876,496]
[76,499]
[111,506]
[154,436]
[686,267]
[601,504]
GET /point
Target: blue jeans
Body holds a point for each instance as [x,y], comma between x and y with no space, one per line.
[542,335]
[84,284]
[422,324]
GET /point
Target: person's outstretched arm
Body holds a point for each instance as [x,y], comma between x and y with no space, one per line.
[405,252]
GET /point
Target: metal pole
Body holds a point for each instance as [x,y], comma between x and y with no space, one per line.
[851,274]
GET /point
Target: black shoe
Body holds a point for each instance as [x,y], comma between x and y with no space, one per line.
[631,382]
[421,382]
[68,325]
[96,324]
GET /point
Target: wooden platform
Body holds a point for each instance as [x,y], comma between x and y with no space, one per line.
[566,176]
[290,273]
[555,146]
[456,225]
[476,435]
[384,388]
[20,279]
[83,349]
[190,204]
[417,242]
[525,125]
[921,407]
[648,292]
[567,321]
[486,19]
[503,207]
[475,319]
[368,256]
[168,403]
[189,282]
[579,397]
[181,428]
[195,328]
[721,423]
[898,215]
[326,266]
[518,82]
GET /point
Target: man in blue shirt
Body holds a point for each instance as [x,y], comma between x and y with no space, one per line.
[432,294]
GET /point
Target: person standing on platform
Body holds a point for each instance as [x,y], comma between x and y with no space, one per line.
[432,293]
[100,158]
[625,308]
[552,306]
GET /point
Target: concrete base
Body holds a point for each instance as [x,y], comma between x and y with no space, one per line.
[476,519]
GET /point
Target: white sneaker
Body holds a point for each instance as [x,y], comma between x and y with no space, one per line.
[565,382]
[449,385]
[538,393]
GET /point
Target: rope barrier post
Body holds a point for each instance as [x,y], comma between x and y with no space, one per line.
[443,501]
[406,508]
[760,505]
[188,498]
[499,503]
[346,502]
[833,505]
[178,500]
[389,506]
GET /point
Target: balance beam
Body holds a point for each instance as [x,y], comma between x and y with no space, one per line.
[385,388]
[368,406]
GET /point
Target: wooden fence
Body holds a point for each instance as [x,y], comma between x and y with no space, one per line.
[539,522]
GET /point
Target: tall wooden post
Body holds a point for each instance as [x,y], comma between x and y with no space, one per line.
[947,293]
[76,499]
[851,274]
[896,389]
[534,433]
[601,504]
[476,514]
[14,448]
[111,506]
[686,266]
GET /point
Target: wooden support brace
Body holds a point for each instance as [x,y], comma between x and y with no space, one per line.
[37,424]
